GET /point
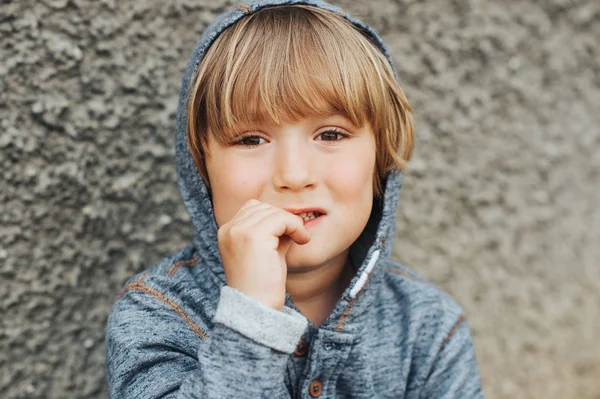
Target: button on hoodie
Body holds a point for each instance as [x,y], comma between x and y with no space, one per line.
[315,389]
[301,348]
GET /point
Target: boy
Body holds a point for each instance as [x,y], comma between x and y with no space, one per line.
[292,131]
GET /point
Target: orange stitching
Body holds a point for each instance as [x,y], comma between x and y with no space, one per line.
[244,7]
[458,323]
[139,286]
[342,321]
[187,263]
[139,280]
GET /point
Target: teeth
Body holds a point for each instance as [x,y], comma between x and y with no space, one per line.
[309,216]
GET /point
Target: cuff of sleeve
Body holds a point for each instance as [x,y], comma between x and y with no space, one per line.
[280,330]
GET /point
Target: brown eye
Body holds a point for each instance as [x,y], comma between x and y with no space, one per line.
[332,135]
[251,141]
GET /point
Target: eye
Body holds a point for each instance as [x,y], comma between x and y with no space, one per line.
[250,141]
[332,135]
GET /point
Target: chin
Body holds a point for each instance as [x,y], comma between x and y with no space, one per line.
[301,258]
[301,262]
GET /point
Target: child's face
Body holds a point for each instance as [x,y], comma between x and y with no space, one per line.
[319,162]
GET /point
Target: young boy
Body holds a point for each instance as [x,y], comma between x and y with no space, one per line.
[291,134]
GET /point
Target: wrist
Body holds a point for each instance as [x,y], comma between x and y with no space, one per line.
[270,299]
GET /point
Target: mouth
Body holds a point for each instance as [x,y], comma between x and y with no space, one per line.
[307,214]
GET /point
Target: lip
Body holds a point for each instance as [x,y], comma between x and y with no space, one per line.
[313,222]
[297,211]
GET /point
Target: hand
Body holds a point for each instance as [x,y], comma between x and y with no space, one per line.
[253,246]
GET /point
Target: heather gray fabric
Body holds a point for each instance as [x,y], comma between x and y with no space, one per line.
[177,330]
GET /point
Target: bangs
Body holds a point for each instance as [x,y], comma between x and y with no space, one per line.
[285,63]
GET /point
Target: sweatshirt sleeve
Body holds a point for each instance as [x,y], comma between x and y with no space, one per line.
[156,349]
[454,374]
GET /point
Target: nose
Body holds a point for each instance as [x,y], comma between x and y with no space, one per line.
[293,167]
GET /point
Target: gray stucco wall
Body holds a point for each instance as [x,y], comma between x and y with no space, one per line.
[500,207]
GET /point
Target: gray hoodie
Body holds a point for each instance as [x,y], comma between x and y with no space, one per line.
[178,331]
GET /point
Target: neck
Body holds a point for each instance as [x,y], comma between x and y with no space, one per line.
[315,292]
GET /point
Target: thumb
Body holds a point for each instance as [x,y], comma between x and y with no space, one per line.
[285,242]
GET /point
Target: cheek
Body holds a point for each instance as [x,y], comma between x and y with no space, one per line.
[351,177]
[351,186]
[232,184]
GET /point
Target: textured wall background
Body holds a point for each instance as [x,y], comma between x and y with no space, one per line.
[500,207]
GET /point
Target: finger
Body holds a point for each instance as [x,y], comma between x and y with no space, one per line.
[247,223]
[249,208]
[285,243]
[250,202]
[254,214]
[282,223]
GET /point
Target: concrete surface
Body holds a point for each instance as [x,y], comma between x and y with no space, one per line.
[500,207]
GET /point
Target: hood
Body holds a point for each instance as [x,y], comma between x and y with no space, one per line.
[377,238]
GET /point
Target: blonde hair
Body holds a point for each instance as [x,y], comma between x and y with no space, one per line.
[283,63]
